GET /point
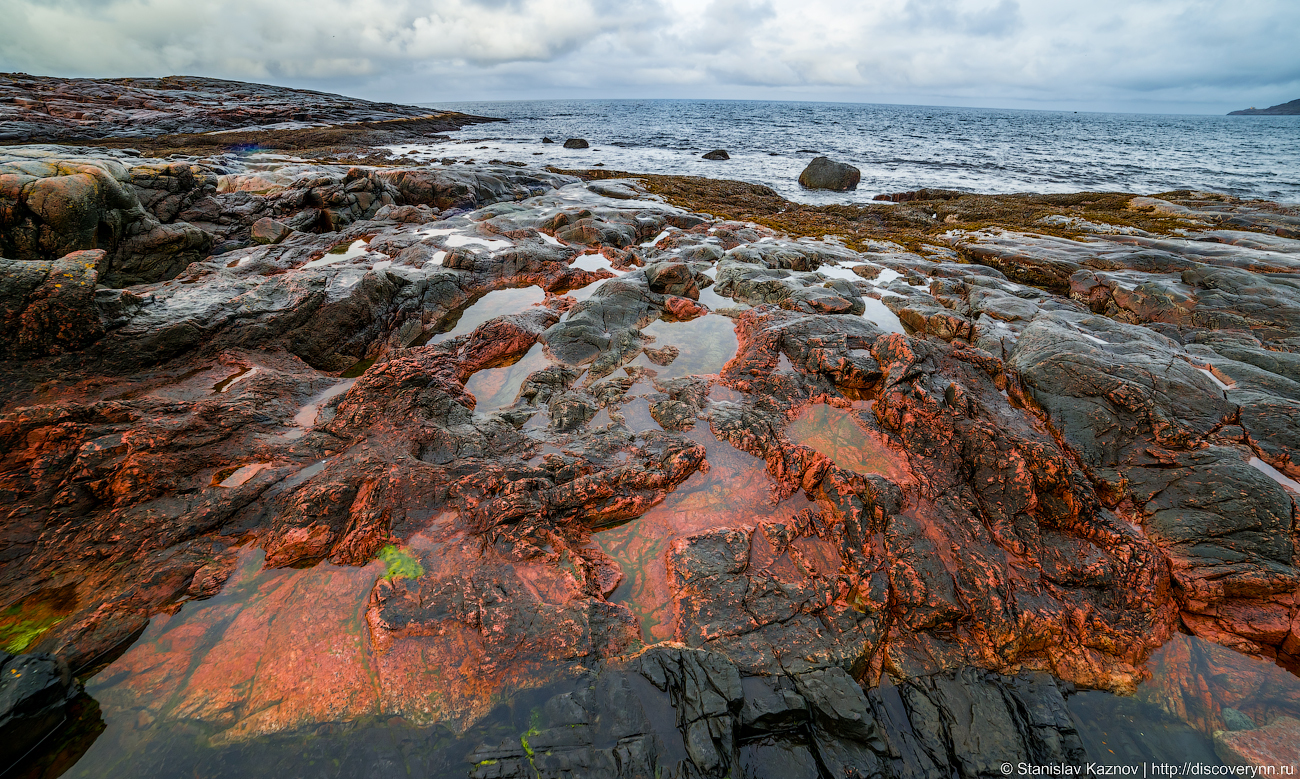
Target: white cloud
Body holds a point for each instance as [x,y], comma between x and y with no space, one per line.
[1134,53]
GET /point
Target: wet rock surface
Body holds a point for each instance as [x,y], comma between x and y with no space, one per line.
[687,496]
[35,693]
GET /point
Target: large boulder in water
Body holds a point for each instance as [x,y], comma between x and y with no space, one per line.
[576,143]
[825,173]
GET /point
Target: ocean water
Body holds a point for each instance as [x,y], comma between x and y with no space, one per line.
[896,147]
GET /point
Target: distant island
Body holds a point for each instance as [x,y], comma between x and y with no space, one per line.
[1285,109]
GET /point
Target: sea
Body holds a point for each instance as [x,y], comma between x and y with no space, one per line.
[897,147]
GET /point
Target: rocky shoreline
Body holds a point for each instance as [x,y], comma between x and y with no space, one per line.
[730,485]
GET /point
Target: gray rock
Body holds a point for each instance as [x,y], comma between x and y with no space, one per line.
[576,143]
[672,278]
[1235,720]
[825,173]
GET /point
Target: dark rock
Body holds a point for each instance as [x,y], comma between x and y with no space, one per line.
[35,691]
[1235,720]
[717,154]
[576,143]
[49,307]
[777,758]
[547,140]
[46,108]
[672,278]
[1282,109]
[919,194]
[825,173]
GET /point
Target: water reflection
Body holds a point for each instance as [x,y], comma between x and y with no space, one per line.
[736,492]
[848,437]
[274,651]
[492,305]
[705,345]
[496,388]
[1204,703]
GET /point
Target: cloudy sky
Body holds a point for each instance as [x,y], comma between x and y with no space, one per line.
[1128,55]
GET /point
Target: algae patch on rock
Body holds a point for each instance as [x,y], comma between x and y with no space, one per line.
[399,562]
[23,623]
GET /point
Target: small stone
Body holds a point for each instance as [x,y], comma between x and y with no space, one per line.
[662,357]
[547,140]
[1235,720]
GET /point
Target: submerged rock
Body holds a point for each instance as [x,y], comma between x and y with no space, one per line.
[1277,743]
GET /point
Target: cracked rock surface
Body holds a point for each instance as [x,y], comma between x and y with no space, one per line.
[567,480]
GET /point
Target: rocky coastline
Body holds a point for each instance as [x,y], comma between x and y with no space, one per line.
[295,435]
[1281,109]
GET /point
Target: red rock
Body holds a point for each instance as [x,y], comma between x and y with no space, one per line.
[1275,744]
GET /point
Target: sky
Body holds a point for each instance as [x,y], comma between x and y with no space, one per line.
[1158,56]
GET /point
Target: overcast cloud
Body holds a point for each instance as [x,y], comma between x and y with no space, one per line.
[1139,55]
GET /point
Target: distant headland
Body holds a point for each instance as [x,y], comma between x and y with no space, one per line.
[1284,109]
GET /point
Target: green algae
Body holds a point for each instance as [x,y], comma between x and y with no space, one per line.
[23,623]
[400,562]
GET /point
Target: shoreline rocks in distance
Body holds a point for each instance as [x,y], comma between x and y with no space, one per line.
[717,154]
[1281,109]
[825,173]
[48,109]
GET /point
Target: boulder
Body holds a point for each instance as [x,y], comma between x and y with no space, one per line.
[547,140]
[717,154]
[576,143]
[672,278]
[267,230]
[825,173]
[61,200]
